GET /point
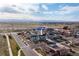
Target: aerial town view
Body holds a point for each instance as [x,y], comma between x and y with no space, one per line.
[45,29]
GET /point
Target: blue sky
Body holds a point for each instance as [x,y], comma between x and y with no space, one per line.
[40,11]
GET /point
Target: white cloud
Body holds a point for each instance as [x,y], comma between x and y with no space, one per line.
[29,8]
[68,9]
[62,18]
[22,8]
[45,7]
[11,2]
[47,12]
[21,16]
[13,15]
[27,11]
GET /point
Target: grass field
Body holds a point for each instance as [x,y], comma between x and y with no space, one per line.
[3,46]
[15,47]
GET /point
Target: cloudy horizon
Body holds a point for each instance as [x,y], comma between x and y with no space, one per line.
[39,11]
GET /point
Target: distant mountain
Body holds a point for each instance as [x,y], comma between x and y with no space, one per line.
[30,20]
[15,20]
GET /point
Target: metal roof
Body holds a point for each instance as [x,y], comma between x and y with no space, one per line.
[40,28]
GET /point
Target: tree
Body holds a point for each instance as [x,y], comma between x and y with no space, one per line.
[65,27]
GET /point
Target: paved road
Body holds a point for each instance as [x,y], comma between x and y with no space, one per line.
[19,52]
[26,49]
[9,47]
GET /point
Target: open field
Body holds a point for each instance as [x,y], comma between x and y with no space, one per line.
[15,48]
[23,26]
[3,46]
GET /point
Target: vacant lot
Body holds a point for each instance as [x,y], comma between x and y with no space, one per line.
[15,48]
[3,46]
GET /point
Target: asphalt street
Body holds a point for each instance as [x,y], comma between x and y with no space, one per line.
[25,48]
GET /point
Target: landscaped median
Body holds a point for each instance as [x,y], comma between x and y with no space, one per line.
[15,48]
